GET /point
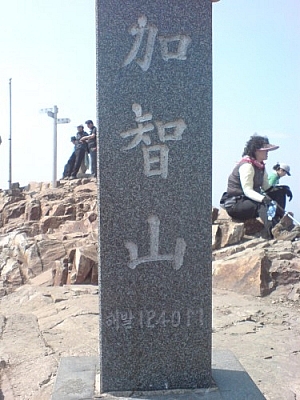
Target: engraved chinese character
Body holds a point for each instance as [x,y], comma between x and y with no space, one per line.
[155,155]
[176,258]
[179,44]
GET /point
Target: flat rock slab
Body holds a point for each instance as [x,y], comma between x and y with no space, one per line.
[22,348]
[232,380]
[76,380]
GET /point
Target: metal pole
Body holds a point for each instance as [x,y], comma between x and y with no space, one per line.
[9,166]
[286,213]
[54,180]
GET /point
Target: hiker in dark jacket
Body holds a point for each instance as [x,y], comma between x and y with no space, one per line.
[70,164]
[80,149]
[91,140]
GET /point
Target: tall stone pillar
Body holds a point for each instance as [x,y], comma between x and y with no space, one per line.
[154,89]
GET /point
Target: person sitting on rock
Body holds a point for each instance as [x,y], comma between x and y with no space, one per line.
[280,170]
[249,194]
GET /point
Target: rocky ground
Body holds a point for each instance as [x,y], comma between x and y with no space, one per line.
[49,304]
[263,333]
[39,324]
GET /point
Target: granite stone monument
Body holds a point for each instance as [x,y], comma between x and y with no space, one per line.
[154,104]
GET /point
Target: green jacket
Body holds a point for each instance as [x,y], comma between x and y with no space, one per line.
[273,178]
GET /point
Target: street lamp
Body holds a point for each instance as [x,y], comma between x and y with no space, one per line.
[9,166]
[52,112]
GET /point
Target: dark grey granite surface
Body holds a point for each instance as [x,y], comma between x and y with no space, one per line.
[154,117]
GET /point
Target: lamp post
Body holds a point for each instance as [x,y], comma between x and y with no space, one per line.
[52,112]
[9,162]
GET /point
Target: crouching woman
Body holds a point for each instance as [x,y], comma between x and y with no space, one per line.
[248,183]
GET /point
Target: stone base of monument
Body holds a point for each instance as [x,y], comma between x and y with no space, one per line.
[78,379]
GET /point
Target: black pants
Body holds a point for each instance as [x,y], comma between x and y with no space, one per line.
[93,158]
[246,208]
[79,156]
[69,166]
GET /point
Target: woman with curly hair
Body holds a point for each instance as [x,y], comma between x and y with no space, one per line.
[249,194]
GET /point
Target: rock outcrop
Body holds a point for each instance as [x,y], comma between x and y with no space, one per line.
[43,228]
[245,262]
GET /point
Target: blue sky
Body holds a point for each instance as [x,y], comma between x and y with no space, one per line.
[48,49]
[256,85]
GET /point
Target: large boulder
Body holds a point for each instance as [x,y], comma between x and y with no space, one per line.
[84,265]
[259,270]
[247,272]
